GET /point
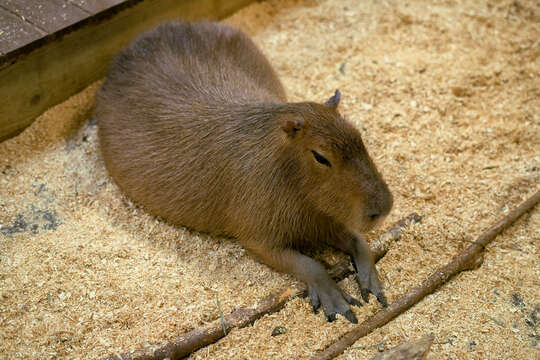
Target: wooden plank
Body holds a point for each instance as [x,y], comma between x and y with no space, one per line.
[14,32]
[33,82]
[96,6]
[49,16]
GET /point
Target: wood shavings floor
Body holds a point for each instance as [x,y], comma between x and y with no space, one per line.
[447,95]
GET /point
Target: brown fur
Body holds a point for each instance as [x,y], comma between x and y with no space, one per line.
[194,125]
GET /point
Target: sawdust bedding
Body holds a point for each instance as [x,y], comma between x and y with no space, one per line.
[447,96]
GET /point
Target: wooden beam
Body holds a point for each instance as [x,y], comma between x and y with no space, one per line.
[15,31]
[48,16]
[53,68]
[95,6]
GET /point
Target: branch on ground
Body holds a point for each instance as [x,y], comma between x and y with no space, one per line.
[193,340]
[468,259]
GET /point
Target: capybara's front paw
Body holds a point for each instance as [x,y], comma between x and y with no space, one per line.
[333,301]
[368,280]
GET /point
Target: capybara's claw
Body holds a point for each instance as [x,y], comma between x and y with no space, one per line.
[349,315]
[365,294]
[382,299]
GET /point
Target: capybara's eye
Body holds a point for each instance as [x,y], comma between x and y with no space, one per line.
[321,159]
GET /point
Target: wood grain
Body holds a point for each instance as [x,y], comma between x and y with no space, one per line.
[49,16]
[15,31]
[96,6]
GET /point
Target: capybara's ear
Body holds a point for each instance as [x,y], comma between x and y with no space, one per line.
[334,100]
[293,125]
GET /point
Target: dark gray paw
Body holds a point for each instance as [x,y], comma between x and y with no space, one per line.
[369,282]
[333,300]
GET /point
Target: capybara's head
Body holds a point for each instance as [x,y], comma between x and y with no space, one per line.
[339,177]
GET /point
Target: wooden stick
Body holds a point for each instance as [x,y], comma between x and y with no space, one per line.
[193,340]
[410,350]
[468,259]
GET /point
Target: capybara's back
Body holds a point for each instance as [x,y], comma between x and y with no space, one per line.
[194,125]
[166,117]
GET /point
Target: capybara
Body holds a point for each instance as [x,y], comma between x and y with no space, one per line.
[195,126]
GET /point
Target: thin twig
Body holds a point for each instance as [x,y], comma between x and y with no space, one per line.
[468,259]
[221,316]
[193,340]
